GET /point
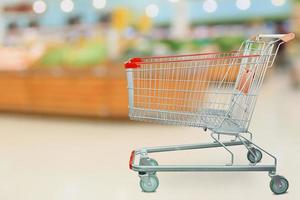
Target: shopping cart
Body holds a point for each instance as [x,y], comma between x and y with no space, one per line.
[215,91]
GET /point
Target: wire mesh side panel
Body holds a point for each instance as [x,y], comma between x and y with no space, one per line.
[188,92]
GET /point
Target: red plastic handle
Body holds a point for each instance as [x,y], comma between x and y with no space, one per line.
[133,63]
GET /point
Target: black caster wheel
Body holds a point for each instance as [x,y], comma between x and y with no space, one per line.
[254,159]
[279,184]
[149,184]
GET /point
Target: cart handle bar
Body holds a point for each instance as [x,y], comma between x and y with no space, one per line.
[284,37]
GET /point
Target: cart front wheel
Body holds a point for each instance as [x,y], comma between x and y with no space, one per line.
[279,185]
[254,159]
[149,184]
[150,162]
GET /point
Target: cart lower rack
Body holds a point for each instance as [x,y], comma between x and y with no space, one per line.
[214,91]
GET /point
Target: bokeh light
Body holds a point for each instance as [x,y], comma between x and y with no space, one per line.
[278,2]
[210,6]
[152,10]
[39,7]
[99,4]
[243,4]
[67,6]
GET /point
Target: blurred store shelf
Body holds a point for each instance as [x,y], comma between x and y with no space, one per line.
[87,92]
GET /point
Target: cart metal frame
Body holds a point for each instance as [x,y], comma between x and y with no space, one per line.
[239,140]
[255,55]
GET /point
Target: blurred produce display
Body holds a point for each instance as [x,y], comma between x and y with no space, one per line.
[86,53]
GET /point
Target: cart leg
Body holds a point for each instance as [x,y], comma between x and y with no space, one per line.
[224,146]
[250,135]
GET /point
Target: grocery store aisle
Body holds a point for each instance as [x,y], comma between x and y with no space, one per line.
[72,159]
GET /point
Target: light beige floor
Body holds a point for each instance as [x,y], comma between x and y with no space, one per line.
[59,159]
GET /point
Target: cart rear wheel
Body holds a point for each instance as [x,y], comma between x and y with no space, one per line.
[279,185]
[149,184]
[254,159]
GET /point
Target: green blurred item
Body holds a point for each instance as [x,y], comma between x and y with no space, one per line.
[228,43]
[88,54]
[54,56]
[82,54]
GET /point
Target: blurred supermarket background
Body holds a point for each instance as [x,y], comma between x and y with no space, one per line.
[65,58]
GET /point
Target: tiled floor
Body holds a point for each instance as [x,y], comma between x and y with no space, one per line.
[71,159]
